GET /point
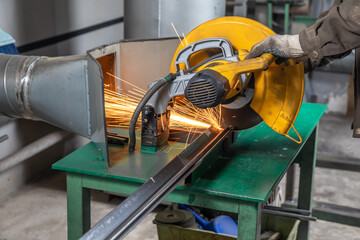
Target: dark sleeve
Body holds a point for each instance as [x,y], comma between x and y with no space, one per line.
[334,34]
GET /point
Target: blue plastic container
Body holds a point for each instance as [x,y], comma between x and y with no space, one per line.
[9,49]
[7,43]
[221,224]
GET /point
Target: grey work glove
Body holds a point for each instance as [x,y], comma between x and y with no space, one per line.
[283,46]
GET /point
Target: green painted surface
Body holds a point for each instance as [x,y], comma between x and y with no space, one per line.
[249,219]
[78,207]
[306,183]
[258,159]
[255,164]
[137,166]
[148,149]
[286,17]
[305,19]
[270,14]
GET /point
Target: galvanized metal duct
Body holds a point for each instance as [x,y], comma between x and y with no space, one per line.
[47,89]
[64,91]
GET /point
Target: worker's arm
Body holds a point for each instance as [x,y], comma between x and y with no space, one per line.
[333,35]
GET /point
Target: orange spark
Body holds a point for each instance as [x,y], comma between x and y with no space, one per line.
[188,121]
[185,39]
[119,107]
[172,24]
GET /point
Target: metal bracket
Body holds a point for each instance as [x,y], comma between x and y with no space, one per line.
[222,43]
[356,121]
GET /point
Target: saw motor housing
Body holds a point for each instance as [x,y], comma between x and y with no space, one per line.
[212,70]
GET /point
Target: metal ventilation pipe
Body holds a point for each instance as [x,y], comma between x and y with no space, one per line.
[48,89]
[67,92]
[144,19]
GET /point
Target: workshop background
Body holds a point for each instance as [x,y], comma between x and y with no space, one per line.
[33,197]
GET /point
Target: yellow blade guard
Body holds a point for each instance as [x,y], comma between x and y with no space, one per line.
[278,90]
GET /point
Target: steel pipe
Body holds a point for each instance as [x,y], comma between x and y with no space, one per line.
[120,221]
[289,213]
[32,149]
[4,138]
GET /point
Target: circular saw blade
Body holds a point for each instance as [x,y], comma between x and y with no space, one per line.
[239,115]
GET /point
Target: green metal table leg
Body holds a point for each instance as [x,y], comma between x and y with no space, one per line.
[270,14]
[78,206]
[286,17]
[307,167]
[249,221]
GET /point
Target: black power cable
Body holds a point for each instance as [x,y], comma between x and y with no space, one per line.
[159,84]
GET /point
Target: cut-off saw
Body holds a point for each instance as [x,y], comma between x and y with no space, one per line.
[209,68]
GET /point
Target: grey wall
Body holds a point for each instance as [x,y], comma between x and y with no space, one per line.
[147,19]
[22,133]
[33,20]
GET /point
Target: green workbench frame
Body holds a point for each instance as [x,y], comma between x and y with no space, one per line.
[238,181]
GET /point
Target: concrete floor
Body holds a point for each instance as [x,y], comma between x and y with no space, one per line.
[38,210]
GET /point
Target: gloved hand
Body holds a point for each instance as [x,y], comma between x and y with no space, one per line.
[284,46]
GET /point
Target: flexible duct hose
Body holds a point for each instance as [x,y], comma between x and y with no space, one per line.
[159,84]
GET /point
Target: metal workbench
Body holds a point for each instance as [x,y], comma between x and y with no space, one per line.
[239,181]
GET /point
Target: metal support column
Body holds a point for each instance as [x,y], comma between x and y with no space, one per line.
[249,221]
[286,17]
[270,14]
[290,183]
[307,161]
[78,206]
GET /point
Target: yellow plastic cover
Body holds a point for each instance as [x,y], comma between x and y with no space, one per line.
[278,90]
[278,96]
